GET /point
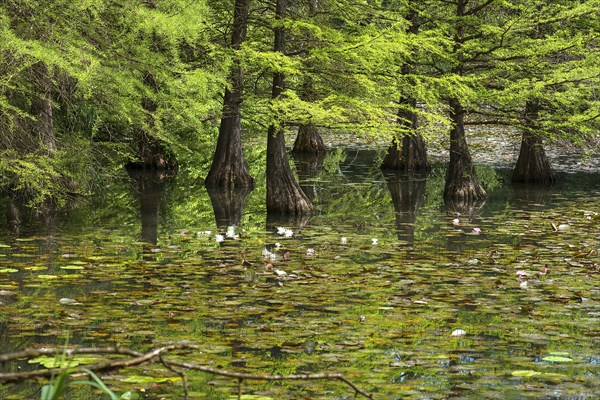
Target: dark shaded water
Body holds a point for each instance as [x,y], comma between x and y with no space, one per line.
[373,285]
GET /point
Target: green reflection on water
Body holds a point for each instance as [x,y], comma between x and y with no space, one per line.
[382,314]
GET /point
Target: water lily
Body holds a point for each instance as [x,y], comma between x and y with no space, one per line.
[231,232]
[288,233]
[310,251]
[374,241]
[267,254]
[455,221]
[523,285]
[458,332]
[219,238]
[281,230]
[344,240]
[477,231]
[277,245]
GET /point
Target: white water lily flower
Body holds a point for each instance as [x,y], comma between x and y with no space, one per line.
[310,251]
[455,221]
[219,238]
[344,240]
[281,230]
[458,332]
[374,241]
[230,232]
[267,254]
[277,245]
[288,233]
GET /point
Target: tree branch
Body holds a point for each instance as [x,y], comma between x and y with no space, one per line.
[136,358]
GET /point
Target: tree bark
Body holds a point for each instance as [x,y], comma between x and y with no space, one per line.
[309,140]
[462,185]
[410,152]
[461,181]
[228,168]
[284,195]
[532,165]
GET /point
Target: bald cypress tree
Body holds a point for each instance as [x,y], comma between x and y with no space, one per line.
[284,195]
[228,168]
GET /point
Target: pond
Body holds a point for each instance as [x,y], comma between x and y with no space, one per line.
[407,297]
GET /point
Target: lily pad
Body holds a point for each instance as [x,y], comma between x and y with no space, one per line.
[141,379]
[9,270]
[526,373]
[557,359]
[71,267]
[48,277]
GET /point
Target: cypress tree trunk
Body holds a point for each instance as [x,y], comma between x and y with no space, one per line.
[284,195]
[41,108]
[228,168]
[409,153]
[532,165]
[461,181]
[308,139]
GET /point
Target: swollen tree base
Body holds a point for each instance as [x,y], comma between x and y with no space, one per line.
[284,195]
[409,156]
[228,169]
[308,141]
[532,165]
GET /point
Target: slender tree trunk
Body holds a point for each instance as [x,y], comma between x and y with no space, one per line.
[461,181]
[410,152]
[41,108]
[462,185]
[228,168]
[532,165]
[308,139]
[284,195]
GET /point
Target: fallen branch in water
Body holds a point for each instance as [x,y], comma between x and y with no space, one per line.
[155,355]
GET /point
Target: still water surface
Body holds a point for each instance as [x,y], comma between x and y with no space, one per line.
[373,285]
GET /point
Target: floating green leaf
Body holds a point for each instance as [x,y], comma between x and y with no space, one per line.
[142,379]
[9,270]
[557,359]
[71,267]
[526,373]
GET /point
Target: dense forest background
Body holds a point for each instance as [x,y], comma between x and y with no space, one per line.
[89,86]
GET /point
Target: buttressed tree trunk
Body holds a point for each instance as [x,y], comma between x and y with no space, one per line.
[410,152]
[41,108]
[532,165]
[461,181]
[228,168]
[284,195]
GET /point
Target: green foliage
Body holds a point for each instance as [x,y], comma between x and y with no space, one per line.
[118,74]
